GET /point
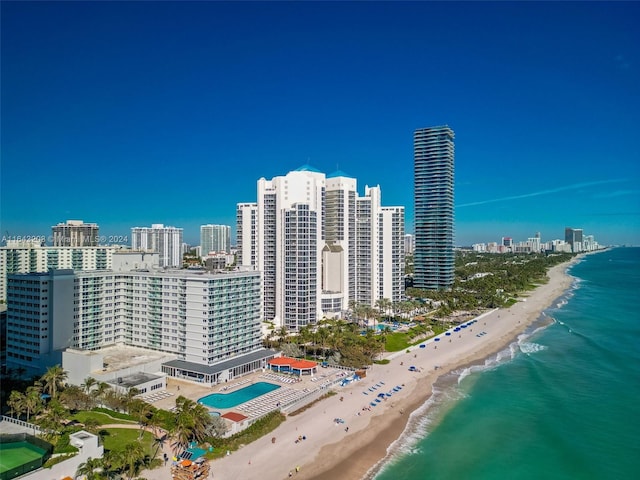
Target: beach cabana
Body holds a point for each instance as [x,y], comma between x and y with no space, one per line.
[293,365]
[235,421]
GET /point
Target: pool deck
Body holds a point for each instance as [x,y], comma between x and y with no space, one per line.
[290,390]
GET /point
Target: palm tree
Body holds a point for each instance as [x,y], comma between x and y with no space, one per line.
[88,384]
[16,403]
[112,463]
[74,398]
[191,423]
[282,334]
[54,415]
[101,389]
[132,456]
[156,423]
[141,410]
[91,425]
[90,469]
[114,400]
[32,401]
[304,336]
[268,341]
[202,420]
[53,379]
[159,442]
[323,335]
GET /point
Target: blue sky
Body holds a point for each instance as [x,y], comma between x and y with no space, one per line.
[127,114]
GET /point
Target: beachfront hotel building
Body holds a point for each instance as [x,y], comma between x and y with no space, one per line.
[166,241]
[34,256]
[215,239]
[319,246]
[75,233]
[433,208]
[202,320]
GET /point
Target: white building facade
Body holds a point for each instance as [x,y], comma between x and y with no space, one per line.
[319,246]
[198,317]
[215,239]
[31,257]
[166,241]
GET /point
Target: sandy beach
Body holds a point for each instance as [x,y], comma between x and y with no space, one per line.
[349,450]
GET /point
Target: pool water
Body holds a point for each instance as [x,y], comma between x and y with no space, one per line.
[229,400]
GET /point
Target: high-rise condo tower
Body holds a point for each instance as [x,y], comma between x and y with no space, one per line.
[433,153]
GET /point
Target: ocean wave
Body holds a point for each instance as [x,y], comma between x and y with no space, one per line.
[494,361]
[423,420]
[528,348]
[418,427]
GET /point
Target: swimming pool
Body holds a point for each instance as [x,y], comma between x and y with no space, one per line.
[229,400]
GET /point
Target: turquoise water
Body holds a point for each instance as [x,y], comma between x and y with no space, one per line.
[561,403]
[230,400]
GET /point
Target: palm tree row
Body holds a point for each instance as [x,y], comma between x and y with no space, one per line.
[338,340]
[192,424]
[488,280]
[122,464]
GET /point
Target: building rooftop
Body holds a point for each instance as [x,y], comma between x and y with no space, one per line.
[118,357]
[219,367]
[339,173]
[234,416]
[134,379]
[307,168]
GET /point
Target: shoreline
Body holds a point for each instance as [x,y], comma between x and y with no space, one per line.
[333,451]
[389,433]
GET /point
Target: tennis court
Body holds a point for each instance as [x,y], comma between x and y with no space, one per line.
[15,454]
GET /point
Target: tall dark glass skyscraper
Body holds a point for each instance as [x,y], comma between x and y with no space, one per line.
[433,153]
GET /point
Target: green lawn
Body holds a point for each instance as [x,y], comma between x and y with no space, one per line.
[101,418]
[117,439]
[396,341]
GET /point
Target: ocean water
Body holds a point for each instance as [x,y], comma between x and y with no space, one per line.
[563,402]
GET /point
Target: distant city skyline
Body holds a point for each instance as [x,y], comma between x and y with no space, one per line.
[134,126]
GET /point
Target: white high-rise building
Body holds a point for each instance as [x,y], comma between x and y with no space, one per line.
[409,244]
[166,241]
[379,249]
[319,246]
[201,319]
[33,256]
[215,239]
